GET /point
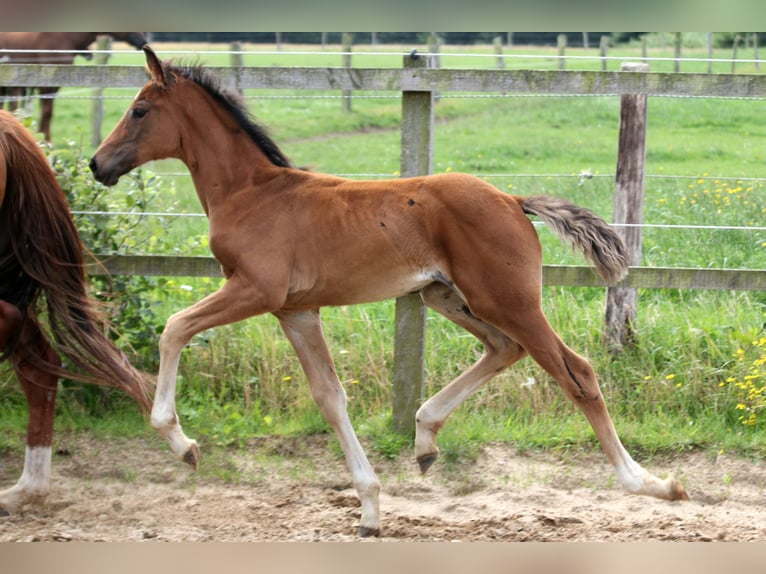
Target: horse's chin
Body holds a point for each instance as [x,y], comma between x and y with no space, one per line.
[105,177]
[108,180]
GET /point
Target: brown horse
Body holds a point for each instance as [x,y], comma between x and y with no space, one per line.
[41,259]
[290,241]
[51,48]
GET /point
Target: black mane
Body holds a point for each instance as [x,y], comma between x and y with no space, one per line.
[236,106]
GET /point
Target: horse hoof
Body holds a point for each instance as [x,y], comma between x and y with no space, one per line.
[426,461]
[365,532]
[191,457]
[678,491]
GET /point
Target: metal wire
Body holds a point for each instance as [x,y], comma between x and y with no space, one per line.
[537,223]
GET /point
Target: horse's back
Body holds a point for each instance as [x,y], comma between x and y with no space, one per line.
[19,41]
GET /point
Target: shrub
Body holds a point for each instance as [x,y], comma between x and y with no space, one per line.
[112,221]
[750,389]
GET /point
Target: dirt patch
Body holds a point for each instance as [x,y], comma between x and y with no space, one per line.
[298,489]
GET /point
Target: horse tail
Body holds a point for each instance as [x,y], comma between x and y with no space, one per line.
[41,254]
[585,230]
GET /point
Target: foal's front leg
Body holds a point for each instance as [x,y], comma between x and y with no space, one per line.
[304,331]
[235,300]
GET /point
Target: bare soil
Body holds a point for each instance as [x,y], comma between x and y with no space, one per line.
[297,489]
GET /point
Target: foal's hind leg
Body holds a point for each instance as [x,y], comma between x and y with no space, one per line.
[10,322]
[499,352]
[304,331]
[40,389]
[578,381]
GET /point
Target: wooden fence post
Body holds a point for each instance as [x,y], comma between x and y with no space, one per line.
[562,44]
[604,49]
[435,59]
[410,320]
[97,107]
[645,47]
[236,62]
[620,312]
[734,45]
[499,60]
[434,47]
[347,42]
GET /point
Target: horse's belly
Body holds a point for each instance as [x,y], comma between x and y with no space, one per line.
[355,289]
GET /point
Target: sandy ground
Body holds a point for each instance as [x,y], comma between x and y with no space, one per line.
[298,489]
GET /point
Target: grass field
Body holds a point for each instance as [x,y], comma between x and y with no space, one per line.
[692,381]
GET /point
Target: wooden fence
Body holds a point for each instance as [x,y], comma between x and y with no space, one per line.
[418,82]
[562,82]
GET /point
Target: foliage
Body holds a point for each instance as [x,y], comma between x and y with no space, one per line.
[112,223]
[115,223]
[750,388]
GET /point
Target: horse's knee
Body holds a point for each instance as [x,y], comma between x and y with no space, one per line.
[52,358]
[9,313]
[10,320]
[171,340]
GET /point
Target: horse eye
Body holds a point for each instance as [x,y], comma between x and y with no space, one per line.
[138,112]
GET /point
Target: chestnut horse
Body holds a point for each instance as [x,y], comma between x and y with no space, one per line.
[65,46]
[41,259]
[290,241]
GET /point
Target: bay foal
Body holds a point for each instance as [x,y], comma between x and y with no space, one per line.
[291,241]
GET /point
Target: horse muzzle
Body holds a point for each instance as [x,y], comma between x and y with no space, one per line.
[104,176]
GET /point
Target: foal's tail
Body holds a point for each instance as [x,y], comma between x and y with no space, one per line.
[584,230]
[41,254]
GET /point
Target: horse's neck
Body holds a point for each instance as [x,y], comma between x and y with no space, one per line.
[81,40]
[221,157]
[222,162]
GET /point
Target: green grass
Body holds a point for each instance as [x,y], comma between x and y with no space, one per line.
[671,393]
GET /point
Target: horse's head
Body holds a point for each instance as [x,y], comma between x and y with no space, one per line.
[148,130]
[135,39]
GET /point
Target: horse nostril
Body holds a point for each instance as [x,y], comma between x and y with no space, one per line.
[92,164]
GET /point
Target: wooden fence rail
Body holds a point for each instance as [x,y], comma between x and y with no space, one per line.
[411,79]
[560,275]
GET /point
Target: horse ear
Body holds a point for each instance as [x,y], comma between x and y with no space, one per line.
[154,66]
